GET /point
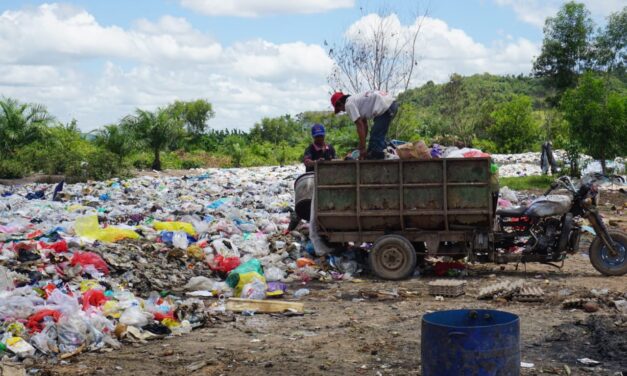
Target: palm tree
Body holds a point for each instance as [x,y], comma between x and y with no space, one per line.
[20,124]
[157,130]
[116,139]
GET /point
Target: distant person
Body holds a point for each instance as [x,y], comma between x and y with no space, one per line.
[319,150]
[375,105]
[547,160]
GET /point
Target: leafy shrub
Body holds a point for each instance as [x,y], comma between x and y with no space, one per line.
[191,163]
[515,129]
[141,161]
[102,165]
[12,169]
[487,146]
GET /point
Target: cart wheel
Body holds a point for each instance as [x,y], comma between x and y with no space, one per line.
[392,257]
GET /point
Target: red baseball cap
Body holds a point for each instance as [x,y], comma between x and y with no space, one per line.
[335,98]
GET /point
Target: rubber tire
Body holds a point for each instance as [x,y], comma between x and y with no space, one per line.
[403,245]
[595,254]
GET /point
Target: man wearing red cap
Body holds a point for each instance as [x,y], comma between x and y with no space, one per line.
[374,105]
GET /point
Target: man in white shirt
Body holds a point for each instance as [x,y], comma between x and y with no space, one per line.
[374,105]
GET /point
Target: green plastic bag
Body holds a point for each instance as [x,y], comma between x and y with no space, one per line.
[250,266]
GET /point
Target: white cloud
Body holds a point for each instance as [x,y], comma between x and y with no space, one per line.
[535,12]
[267,61]
[63,57]
[442,50]
[256,8]
[62,34]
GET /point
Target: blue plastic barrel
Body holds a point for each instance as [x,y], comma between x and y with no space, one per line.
[468,342]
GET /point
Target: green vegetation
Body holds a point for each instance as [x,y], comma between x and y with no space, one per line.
[527,182]
[514,127]
[598,118]
[575,97]
[565,52]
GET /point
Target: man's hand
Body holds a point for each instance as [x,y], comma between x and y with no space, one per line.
[362,153]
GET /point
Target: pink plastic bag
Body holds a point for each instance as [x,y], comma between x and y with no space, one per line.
[475,154]
[89,258]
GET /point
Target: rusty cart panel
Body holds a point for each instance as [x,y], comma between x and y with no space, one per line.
[361,200]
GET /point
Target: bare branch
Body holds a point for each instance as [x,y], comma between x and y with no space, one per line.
[378,55]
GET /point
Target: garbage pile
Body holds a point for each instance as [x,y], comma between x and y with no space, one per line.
[419,150]
[87,266]
[525,164]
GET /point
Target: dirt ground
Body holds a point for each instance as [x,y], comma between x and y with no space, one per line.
[373,327]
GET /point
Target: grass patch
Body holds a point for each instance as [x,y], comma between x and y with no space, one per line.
[527,182]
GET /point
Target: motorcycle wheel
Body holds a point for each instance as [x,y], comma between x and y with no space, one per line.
[602,260]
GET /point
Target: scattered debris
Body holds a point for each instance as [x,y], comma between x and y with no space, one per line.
[588,361]
[379,294]
[590,307]
[505,290]
[447,287]
[530,294]
[574,303]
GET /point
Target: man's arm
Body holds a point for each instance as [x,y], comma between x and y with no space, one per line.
[362,132]
[307,160]
[332,152]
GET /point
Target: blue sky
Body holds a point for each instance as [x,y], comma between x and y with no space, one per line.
[96,61]
[482,19]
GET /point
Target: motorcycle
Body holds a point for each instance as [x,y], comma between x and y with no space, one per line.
[549,229]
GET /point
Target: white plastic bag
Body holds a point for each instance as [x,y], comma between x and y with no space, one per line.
[63,303]
[199,283]
[320,248]
[134,316]
[273,274]
[72,331]
[179,240]
[254,290]
[508,194]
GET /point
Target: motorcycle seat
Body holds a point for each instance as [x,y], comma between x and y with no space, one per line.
[516,211]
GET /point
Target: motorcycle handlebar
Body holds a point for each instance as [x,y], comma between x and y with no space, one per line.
[551,188]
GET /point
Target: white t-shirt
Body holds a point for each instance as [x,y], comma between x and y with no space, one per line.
[368,105]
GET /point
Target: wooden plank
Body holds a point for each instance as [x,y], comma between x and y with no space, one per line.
[263,306]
